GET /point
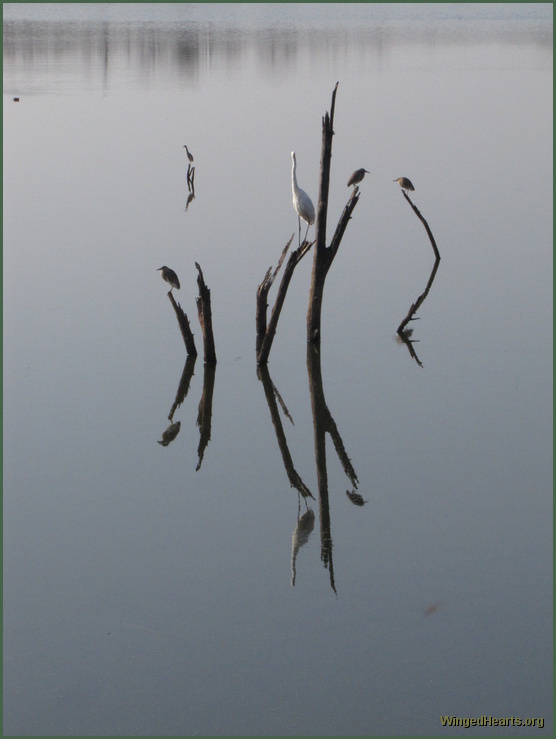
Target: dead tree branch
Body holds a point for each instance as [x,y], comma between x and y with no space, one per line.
[268,337]
[205,318]
[185,328]
[425,224]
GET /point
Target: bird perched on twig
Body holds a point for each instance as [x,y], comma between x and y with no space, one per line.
[169,276]
[356,177]
[404,183]
[189,154]
[302,203]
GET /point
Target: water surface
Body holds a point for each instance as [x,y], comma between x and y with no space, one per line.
[148,587]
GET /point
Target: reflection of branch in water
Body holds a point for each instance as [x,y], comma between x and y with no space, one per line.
[183,387]
[323,423]
[204,415]
[271,394]
[405,333]
[300,536]
[170,434]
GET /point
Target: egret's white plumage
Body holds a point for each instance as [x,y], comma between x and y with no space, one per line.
[302,203]
[404,183]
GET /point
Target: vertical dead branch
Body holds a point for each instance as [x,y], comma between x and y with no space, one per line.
[266,343]
[262,296]
[185,328]
[324,256]
[205,318]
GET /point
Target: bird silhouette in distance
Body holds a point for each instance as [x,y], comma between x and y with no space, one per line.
[189,154]
[356,177]
[302,203]
[404,183]
[169,276]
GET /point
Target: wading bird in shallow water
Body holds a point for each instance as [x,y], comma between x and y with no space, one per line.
[356,177]
[169,276]
[302,203]
[189,154]
[404,183]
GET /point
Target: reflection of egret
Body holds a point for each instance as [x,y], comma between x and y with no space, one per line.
[301,202]
[169,276]
[357,176]
[189,154]
[170,434]
[404,183]
[300,536]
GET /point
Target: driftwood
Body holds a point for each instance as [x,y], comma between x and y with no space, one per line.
[265,334]
[185,328]
[205,318]
[324,256]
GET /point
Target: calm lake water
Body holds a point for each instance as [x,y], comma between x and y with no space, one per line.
[188,587]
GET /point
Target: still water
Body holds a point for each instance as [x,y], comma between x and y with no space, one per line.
[221,583]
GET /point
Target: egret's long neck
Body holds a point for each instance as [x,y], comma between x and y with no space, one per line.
[294,178]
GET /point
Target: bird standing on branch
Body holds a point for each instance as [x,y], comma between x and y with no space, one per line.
[302,203]
[404,183]
[169,276]
[189,154]
[356,177]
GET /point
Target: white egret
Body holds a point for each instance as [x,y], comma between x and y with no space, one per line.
[357,176]
[404,183]
[301,202]
[169,276]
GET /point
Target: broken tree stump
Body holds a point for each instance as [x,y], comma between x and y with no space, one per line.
[205,318]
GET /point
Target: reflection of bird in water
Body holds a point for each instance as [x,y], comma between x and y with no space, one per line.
[404,183]
[302,203]
[170,434]
[189,154]
[169,276]
[300,535]
[357,176]
[355,498]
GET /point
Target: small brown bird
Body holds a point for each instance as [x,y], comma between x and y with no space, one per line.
[169,276]
[404,183]
[357,176]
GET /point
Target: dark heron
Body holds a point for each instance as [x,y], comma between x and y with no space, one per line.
[301,202]
[357,176]
[169,276]
[404,183]
[189,154]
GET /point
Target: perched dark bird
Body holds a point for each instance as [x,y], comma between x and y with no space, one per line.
[169,276]
[189,154]
[404,183]
[357,176]
[16,100]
